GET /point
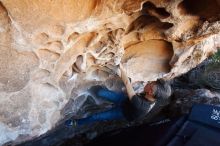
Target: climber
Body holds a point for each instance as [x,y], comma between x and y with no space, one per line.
[132,108]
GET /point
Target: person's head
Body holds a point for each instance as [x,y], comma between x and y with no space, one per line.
[150,88]
[158,89]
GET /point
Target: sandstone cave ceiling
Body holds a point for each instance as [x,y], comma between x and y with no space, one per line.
[53,50]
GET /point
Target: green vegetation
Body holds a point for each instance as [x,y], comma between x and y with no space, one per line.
[216,57]
[212,71]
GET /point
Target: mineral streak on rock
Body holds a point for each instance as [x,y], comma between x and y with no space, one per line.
[54,50]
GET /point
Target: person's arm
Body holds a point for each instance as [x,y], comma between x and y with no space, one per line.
[127,82]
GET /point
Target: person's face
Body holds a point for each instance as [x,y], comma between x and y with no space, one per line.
[149,88]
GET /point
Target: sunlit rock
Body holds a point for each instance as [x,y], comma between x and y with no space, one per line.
[52,51]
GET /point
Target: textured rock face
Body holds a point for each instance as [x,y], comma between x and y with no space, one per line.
[53,50]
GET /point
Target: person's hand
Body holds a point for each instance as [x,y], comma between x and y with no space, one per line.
[118,71]
[127,82]
[123,76]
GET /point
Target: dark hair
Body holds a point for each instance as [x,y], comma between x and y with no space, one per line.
[163,89]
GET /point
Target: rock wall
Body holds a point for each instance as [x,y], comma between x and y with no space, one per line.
[54,50]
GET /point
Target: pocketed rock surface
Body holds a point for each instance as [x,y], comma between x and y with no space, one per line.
[52,51]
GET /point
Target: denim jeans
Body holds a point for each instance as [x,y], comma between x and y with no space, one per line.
[114,113]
